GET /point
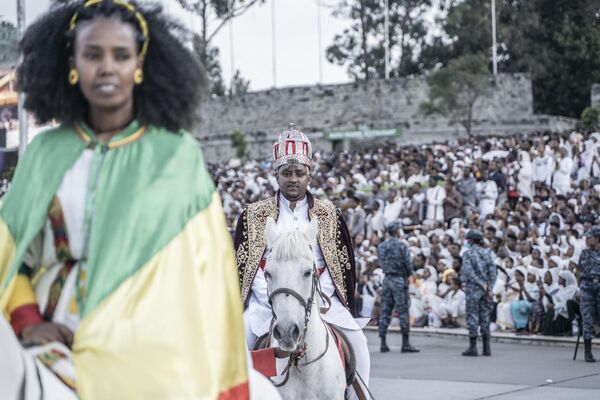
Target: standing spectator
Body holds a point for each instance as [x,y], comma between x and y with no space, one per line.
[392,207]
[453,207]
[435,200]
[561,178]
[525,176]
[488,194]
[467,187]
[411,211]
[355,218]
[498,176]
[542,166]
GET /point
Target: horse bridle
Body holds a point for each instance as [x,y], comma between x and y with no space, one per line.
[295,357]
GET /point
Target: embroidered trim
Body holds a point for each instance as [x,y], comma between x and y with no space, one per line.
[118,143]
[252,248]
[330,239]
[63,255]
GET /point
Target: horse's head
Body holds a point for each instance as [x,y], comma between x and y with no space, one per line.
[290,275]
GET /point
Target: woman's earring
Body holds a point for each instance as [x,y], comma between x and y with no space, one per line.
[138,76]
[73,77]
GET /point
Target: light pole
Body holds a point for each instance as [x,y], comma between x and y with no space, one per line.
[231,52]
[386,25]
[273,43]
[319,40]
[494,52]
[21,114]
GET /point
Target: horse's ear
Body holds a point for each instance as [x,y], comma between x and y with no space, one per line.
[311,231]
[271,232]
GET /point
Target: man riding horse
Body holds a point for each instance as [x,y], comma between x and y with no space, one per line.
[294,207]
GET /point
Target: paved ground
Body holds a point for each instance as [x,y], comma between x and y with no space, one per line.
[515,371]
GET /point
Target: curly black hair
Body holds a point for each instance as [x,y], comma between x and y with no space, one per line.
[174,80]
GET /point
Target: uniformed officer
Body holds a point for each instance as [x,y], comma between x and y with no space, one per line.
[395,261]
[478,274]
[589,274]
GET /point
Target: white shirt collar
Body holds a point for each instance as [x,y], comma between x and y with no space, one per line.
[283,202]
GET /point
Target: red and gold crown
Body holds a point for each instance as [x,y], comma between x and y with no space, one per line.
[292,146]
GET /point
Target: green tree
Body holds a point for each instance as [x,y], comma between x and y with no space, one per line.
[238,140]
[209,56]
[239,85]
[556,42]
[590,118]
[361,47]
[9,44]
[455,89]
[214,14]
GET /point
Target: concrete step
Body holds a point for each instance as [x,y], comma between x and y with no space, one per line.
[498,336]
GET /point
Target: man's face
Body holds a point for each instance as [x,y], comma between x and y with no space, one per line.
[293,180]
[511,243]
[419,261]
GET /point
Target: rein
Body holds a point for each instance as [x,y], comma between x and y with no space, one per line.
[296,356]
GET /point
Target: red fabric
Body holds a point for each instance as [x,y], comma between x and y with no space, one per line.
[28,314]
[264,361]
[338,342]
[239,392]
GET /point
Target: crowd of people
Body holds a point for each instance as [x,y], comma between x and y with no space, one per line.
[533,196]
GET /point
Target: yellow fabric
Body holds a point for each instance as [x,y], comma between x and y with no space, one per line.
[7,254]
[22,294]
[174,329]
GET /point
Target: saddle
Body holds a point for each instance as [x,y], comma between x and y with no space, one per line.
[342,344]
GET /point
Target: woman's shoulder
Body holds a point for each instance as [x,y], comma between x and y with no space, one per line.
[53,140]
[181,142]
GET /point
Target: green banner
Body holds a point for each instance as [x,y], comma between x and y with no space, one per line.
[363,134]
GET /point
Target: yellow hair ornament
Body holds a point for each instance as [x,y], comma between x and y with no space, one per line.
[129,7]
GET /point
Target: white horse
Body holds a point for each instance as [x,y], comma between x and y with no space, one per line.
[314,370]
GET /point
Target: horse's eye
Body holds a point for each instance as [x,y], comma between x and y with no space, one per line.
[267,275]
[307,274]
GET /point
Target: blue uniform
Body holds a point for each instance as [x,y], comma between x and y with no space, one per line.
[395,261]
[589,273]
[478,270]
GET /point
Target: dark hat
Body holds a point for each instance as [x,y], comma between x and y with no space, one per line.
[392,227]
[474,234]
[593,231]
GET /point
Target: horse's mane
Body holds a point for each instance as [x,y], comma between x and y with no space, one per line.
[290,246]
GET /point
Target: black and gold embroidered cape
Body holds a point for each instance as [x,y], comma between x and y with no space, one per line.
[334,240]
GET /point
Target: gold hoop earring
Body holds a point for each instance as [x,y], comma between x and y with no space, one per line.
[73,77]
[138,76]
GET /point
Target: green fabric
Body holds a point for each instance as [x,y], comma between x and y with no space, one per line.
[37,178]
[146,192]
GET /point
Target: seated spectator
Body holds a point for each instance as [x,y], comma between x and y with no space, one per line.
[561,310]
[453,305]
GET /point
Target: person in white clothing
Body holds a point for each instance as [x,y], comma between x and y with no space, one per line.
[454,304]
[525,176]
[435,200]
[542,166]
[293,207]
[561,178]
[488,194]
